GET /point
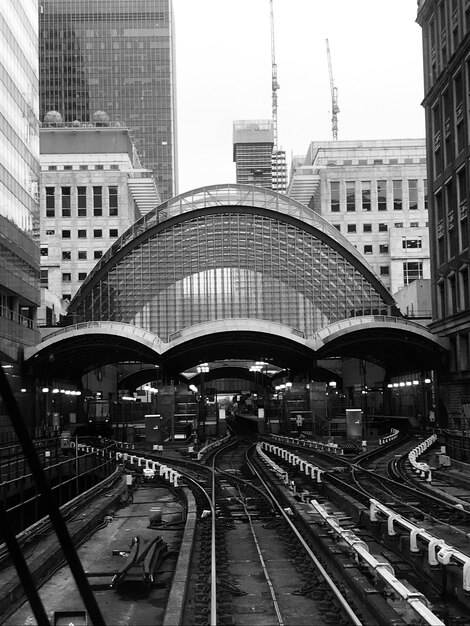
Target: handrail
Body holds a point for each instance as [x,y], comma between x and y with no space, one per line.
[393,434]
[439,552]
[384,570]
[334,448]
[211,446]
[422,469]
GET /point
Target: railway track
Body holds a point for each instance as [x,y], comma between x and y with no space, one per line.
[345,480]
[257,559]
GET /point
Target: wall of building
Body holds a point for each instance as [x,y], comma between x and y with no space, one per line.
[375,194]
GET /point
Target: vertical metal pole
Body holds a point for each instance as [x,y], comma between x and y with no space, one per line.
[43,485]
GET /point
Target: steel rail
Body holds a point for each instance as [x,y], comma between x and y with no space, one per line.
[337,593]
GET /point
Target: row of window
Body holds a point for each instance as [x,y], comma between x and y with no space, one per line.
[407,244]
[83,233]
[453,293]
[81,166]
[82,255]
[366,195]
[383,228]
[403,161]
[81,199]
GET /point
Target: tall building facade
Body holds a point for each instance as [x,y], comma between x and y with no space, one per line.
[19,176]
[375,194]
[256,160]
[115,56]
[253,142]
[93,189]
[446,57]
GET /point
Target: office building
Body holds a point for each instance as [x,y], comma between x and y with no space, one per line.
[375,194]
[253,142]
[115,56]
[19,208]
[93,189]
[446,50]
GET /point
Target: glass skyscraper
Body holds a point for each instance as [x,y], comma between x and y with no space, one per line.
[19,209]
[114,56]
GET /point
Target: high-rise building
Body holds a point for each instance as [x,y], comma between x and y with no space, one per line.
[446,50]
[375,194]
[19,176]
[253,142]
[115,56]
[93,189]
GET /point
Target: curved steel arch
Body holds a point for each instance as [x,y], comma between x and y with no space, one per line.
[228,195]
[229,261]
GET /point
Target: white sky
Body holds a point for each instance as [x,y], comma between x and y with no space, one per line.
[223,73]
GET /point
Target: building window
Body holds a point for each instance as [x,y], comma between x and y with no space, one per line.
[81,201]
[453,293]
[397,195]
[398,224]
[350,195]
[383,248]
[382,195]
[82,255]
[414,224]
[351,228]
[334,196]
[413,194]
[67,296]
[82,234]
[113,232]
[66,204]
[66,255]
[81,275]
[97,233]
[366,187]
[412,270]
[383,228]
[44,278]
[66,277]
[414,244]
[50,202]
[52,168]
[99,167]
[367,249]
[425,186]
[114,166]
[68,168]
[337,226]
[44,251]
[97,254]
[367,228]
[65,234]
[97,201]
[113,201]
[50,231]
[464,289]
[83,167]
[385,270]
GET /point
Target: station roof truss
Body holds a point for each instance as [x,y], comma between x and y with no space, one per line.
[231,272]
[227,252]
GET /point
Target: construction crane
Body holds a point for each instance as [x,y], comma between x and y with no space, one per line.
[334,97]
[274,83]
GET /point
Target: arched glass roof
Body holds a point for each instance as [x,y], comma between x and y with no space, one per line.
[225,252]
